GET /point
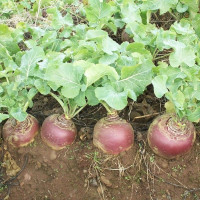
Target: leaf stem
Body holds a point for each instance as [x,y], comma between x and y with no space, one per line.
[174,16]
[7,80]
[163,56]
[72,111]
[75,113]
[25,106]
[107,107]
[155,52]
[60,102]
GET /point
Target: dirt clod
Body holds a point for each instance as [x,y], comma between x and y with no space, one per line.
[106,181]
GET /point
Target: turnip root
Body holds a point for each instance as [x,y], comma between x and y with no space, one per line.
[170,137]
[57,131]
[113,135]
[20,134]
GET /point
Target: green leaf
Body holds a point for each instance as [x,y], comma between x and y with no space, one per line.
[144,34]
[130,12]
[18,114]
[109,45]
[169,107]
[31,93]
[116,100]
[178,99]
[181,8]
[90,95]
[1,89]
[159,84]
[163,5]
[108,59]
[194,116]
[196,24]
[30,59]
[4,53]
[97,11]
[192,4]
[30,43]
[95,72]
[185,55]
[182,55]
[80,99]
[136,78]
[3,117]
[58,20]
[92,34]
[183,27]
[48,39]
[66,76]
[42,86]
[163,37]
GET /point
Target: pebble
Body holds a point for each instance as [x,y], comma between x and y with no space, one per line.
[85,171]
[38,165]
[85,184]
[93,182]
[174,174]
[163,164]
[105,181]
[45,99]
[53,155]
[139,136]
[27,177]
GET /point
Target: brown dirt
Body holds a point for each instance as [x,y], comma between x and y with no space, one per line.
[82,172]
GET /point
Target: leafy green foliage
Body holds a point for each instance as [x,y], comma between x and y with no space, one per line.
[69,50]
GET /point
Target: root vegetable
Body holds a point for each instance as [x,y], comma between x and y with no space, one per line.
[169,137]
[113,135]
[58,132]
[20,134]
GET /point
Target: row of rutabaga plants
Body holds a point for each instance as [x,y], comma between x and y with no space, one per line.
[81,65]
[74,85]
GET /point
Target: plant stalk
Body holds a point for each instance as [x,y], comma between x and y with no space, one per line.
[25,106]
[108,108]
[65,109]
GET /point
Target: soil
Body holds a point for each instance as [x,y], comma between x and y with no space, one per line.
[82,172]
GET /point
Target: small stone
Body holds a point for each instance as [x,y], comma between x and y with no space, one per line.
[45,99]
[53,155]
[105,181]
[93,182]
[85,171]
[38,165]
[27,177]
[139,136]
[174,174]
[164,164]
[85,185]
